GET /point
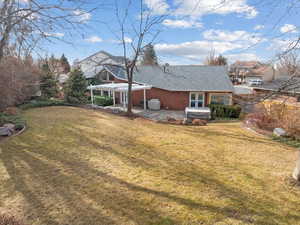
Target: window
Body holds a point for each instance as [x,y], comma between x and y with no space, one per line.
[196,99]
[222,99]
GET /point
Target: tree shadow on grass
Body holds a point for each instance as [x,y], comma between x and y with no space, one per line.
[60,187]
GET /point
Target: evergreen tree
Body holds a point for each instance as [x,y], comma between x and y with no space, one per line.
[48,84]
[65,63]
[149,55]
[76,87]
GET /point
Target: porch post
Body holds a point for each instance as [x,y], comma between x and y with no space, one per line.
[124,99]
[145,103]
[114,97]
[101,92]
[92,95]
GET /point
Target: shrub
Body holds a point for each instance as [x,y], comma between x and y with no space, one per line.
[48,83]
[103,100]
[43,103]
[225,111]
[270,116]
[15,119]
[75,88]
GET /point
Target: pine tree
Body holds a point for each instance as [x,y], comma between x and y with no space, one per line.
[76,87]
[48,84]
[65,63]
[149,55]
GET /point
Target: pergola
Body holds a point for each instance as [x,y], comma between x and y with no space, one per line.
[122,88]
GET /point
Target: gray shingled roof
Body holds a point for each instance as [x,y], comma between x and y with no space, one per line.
[180,78]
[284,84]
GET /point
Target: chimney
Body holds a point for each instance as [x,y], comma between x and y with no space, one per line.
[166,67]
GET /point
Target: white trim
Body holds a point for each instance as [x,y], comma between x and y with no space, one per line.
[220,94]
[197,93]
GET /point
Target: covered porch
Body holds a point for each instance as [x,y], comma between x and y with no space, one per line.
[122,89]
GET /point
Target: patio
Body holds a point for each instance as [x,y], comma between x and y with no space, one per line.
[160,115]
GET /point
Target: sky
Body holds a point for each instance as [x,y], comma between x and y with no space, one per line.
[190,30]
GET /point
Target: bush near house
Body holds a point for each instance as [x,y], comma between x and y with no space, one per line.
[224,111]
[103,100]
[75,88]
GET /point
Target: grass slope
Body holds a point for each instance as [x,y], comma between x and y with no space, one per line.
[81,167]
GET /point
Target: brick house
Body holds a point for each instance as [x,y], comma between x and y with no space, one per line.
[176,87]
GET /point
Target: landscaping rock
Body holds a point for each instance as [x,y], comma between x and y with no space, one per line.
[10,126]
[4,131]
[198,122]
[279,132]
[170,119]
[178,122]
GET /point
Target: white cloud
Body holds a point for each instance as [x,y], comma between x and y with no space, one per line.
[157,6]
[93,39]
[196,49]
[83,16]
[279,45]
[288,28]
[259,27]
[243,56]
[198,8]
[127,40]
[181,23]
[233,36]
[54,34]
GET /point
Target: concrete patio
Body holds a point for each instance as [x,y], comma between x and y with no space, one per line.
[160,115]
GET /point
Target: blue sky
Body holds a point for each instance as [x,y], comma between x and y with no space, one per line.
[237,29]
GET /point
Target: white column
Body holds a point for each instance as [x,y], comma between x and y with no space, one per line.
[124,99]
[101,92]
[92,95]
[114,97]
[145,103]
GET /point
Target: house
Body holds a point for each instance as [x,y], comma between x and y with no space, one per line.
[247,71]
[284,86]
[93,65]
[176,87]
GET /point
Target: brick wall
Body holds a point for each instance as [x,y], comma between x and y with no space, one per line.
[173,100]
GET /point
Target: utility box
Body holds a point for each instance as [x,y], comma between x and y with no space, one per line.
[154,104]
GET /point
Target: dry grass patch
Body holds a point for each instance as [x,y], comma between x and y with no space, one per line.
[77,166]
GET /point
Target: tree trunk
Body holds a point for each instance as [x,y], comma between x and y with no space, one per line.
[296,173]
[129,97]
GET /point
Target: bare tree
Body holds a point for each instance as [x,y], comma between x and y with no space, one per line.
[214,60]
[289,64]
[24,24]
[134,35]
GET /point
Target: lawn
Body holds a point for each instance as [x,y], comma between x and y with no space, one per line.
[76,166]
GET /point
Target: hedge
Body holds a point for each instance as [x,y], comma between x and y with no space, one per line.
[103,100]
[225,111]
[43,103]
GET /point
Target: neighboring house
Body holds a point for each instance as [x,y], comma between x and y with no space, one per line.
[93,65]
[247,71]
[176,87]
[285,86]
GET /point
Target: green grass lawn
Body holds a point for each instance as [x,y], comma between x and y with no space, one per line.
[76,166]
